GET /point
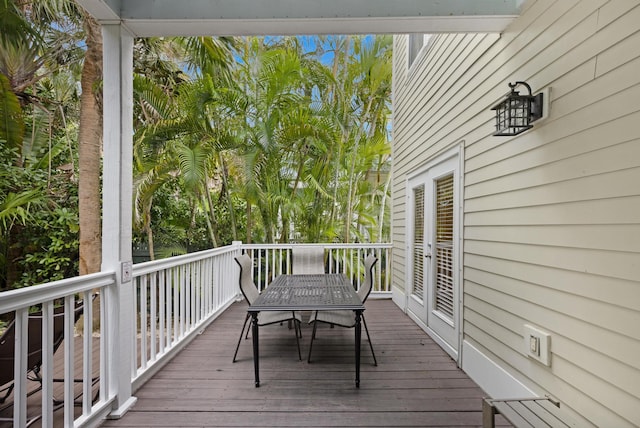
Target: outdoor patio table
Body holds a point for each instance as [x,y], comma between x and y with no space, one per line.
[317,292]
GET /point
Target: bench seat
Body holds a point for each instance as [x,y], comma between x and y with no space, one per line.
[542,412]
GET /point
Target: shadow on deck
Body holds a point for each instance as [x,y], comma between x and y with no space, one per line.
[415,383]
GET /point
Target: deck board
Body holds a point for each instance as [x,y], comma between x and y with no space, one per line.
[415,383]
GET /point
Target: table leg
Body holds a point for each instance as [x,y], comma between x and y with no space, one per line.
[256,355]
[358,329]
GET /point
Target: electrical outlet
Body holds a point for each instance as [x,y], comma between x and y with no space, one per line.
[127,271]
[537,344]
[534,345]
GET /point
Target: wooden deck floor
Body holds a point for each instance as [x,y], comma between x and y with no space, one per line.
[414,384]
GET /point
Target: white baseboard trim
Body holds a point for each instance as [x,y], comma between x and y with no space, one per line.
[399,298]
[492,378]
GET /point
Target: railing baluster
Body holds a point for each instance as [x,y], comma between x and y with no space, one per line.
[46,370]
[162,306]
[219,283]
[87,354]
[153,284]
[197,294]
[175,304]
[136,326]
[259,261]
[182,292]
[358,263]
[105,338]
[377,283]
[69,358]
[203,290]
[143,322]
[207,286]
[265,279]
[20,368]
[200,291]
[188,298]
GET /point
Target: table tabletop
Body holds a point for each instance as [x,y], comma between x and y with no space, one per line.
[314,292]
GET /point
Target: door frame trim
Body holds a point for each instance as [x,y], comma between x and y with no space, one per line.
[453,152]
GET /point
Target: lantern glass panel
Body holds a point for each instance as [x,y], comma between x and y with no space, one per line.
[513,115]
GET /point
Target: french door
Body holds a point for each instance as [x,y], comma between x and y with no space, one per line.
[433,300]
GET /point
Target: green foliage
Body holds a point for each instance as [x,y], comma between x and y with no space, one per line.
[11,122]
[259,140]
[52,247]
[38,223]
[288,141]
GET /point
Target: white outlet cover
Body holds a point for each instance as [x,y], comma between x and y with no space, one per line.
[543,341]
[127,271]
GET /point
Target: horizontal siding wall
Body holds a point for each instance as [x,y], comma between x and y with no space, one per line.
[428,87]
[551,217]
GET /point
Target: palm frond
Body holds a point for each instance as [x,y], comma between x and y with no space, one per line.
[15,208]
[11,122]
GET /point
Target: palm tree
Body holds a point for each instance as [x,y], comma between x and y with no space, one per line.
[275,110]
[359,106]
[89,149]
[179,130]
[295,139]
[65,25]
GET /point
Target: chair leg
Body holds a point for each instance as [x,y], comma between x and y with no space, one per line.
[313,336]
[295,321]
[6,395]
[246,336]
[235,354]
[296,325]
[375,362]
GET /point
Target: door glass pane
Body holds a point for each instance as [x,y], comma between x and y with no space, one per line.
[444,247]
[418,242]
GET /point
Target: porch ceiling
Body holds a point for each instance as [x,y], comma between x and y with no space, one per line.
[146,18]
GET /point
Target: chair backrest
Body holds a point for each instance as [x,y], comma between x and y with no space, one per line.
[34,346]
[367,285]
[307,260]
[247,287]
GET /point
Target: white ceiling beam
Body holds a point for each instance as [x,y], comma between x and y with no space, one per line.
[261,27]
[263,17]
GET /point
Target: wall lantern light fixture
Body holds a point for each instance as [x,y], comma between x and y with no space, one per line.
[516,113]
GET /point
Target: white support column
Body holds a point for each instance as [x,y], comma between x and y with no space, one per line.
[116,213]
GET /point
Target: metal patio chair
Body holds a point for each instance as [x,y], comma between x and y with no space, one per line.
[307,260]
[345,318]
[251,293]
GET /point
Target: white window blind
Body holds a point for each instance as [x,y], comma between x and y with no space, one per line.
[444,246]
[418,242]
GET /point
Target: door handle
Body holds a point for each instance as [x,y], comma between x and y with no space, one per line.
[428,252]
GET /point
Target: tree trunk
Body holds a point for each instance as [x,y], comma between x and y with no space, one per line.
[89,152]
[225,181]
[211,219]
[149,231]
[249,220]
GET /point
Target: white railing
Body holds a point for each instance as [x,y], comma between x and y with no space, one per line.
[37,323]
[271,260]
[175,299]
